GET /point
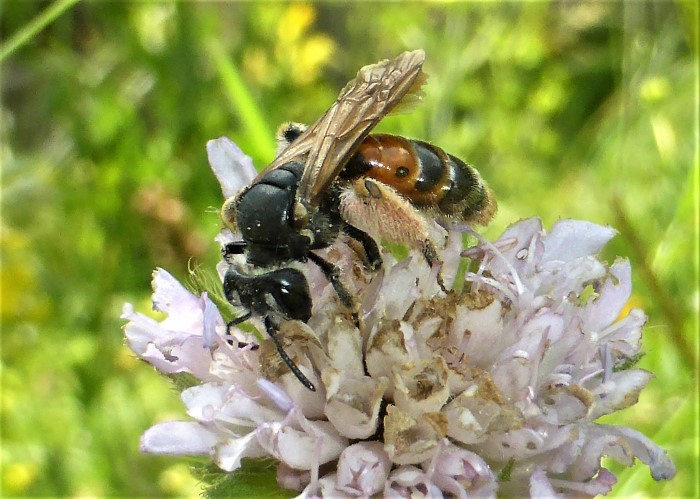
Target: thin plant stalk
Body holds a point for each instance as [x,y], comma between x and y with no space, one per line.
[21,37]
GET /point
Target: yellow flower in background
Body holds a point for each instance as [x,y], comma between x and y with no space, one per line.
[298,56]
[21,296]
[311,57]
[258,67]
[17,477]
[295,21]
[305,54]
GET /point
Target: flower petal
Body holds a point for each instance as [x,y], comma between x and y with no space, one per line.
[353,405]
[233,169]
[211,321]
[276,394]
[540,485]
[178,438]
[291,479]
[461,472]
[421,387]
[363,469]
[572,239]
[228,453]
[169,351]
[620,391]
[660,464]
[411,441]
[411,482]
[183,308]
[519,444]
[599,485]
[301,444]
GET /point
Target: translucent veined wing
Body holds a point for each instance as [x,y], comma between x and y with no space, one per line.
[328,144]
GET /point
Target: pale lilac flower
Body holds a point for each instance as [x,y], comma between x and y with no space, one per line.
[493,390]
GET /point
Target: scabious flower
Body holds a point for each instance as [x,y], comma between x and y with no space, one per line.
[490,389]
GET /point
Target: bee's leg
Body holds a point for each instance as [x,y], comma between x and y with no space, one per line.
[238,320]
[233,248]
[229,291]
[333,275]
[234,323]
[374,257]
[392,216]
[431,256]
[429,252]
[272,331]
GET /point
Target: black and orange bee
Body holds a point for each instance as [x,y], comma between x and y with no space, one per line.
[334,177]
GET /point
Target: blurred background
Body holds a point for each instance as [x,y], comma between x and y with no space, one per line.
[569,110]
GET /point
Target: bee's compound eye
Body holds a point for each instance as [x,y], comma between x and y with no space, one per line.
[401,172]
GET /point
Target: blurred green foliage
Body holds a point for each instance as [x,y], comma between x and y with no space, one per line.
[570,110]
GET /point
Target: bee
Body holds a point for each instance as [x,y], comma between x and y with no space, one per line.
[332,178]
[390,176]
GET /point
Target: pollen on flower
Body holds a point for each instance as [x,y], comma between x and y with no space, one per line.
[633,303]
[491,390]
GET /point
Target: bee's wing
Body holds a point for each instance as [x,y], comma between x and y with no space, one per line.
[328,144]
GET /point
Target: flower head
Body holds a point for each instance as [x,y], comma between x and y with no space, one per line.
[492,388]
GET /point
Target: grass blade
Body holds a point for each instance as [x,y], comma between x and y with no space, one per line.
[25,34]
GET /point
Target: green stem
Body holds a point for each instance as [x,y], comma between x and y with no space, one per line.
[242,101]
[30,29]
[663,300]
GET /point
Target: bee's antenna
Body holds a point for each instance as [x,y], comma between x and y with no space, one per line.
[272,332]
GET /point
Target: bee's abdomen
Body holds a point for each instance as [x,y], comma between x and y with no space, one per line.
[468,197]
[427,176]
[432,176]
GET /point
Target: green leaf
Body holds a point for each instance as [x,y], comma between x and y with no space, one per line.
[256,478]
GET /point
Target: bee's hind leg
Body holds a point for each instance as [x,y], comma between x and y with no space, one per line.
[429,252]
[374,257]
